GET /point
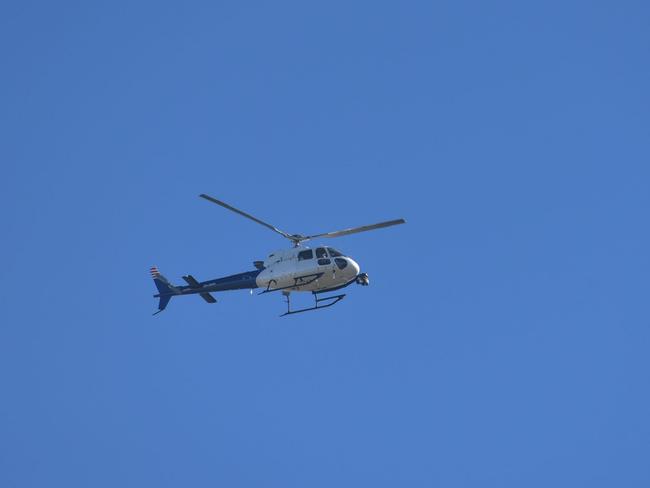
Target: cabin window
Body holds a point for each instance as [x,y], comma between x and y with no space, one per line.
[334,253]
[303,255]
[324,261]
[321,253]
[341,263]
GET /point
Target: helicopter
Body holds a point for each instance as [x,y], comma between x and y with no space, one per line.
[297,269]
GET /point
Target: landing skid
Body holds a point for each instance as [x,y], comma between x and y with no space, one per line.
[334,300]
[297,283]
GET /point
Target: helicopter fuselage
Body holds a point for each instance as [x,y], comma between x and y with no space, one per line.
[296,269]
[305,269]
[318,270]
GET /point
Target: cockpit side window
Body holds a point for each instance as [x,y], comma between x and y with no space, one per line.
[321,252]
[334,253]
[307,254]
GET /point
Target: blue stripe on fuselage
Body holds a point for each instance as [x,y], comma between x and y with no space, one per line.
[237,281]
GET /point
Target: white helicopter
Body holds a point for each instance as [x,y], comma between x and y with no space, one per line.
[300,268]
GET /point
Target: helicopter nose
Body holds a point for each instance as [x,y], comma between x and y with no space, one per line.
[354,266]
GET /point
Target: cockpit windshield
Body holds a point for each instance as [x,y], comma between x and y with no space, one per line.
[334,253]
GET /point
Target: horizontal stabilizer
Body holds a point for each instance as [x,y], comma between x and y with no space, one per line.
[208,298]
[191,280]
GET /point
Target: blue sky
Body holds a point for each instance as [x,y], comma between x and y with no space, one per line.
[504,338]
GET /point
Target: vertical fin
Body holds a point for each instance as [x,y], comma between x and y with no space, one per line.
[165,289]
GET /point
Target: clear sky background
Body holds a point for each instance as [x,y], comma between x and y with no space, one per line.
[504,338]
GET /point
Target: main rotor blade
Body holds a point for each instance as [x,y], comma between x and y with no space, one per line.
[354,230]
[244,214]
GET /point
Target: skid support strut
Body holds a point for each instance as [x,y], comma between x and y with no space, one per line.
[298,281]
[334,299]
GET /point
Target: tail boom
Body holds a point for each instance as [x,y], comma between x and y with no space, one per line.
[233,282]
